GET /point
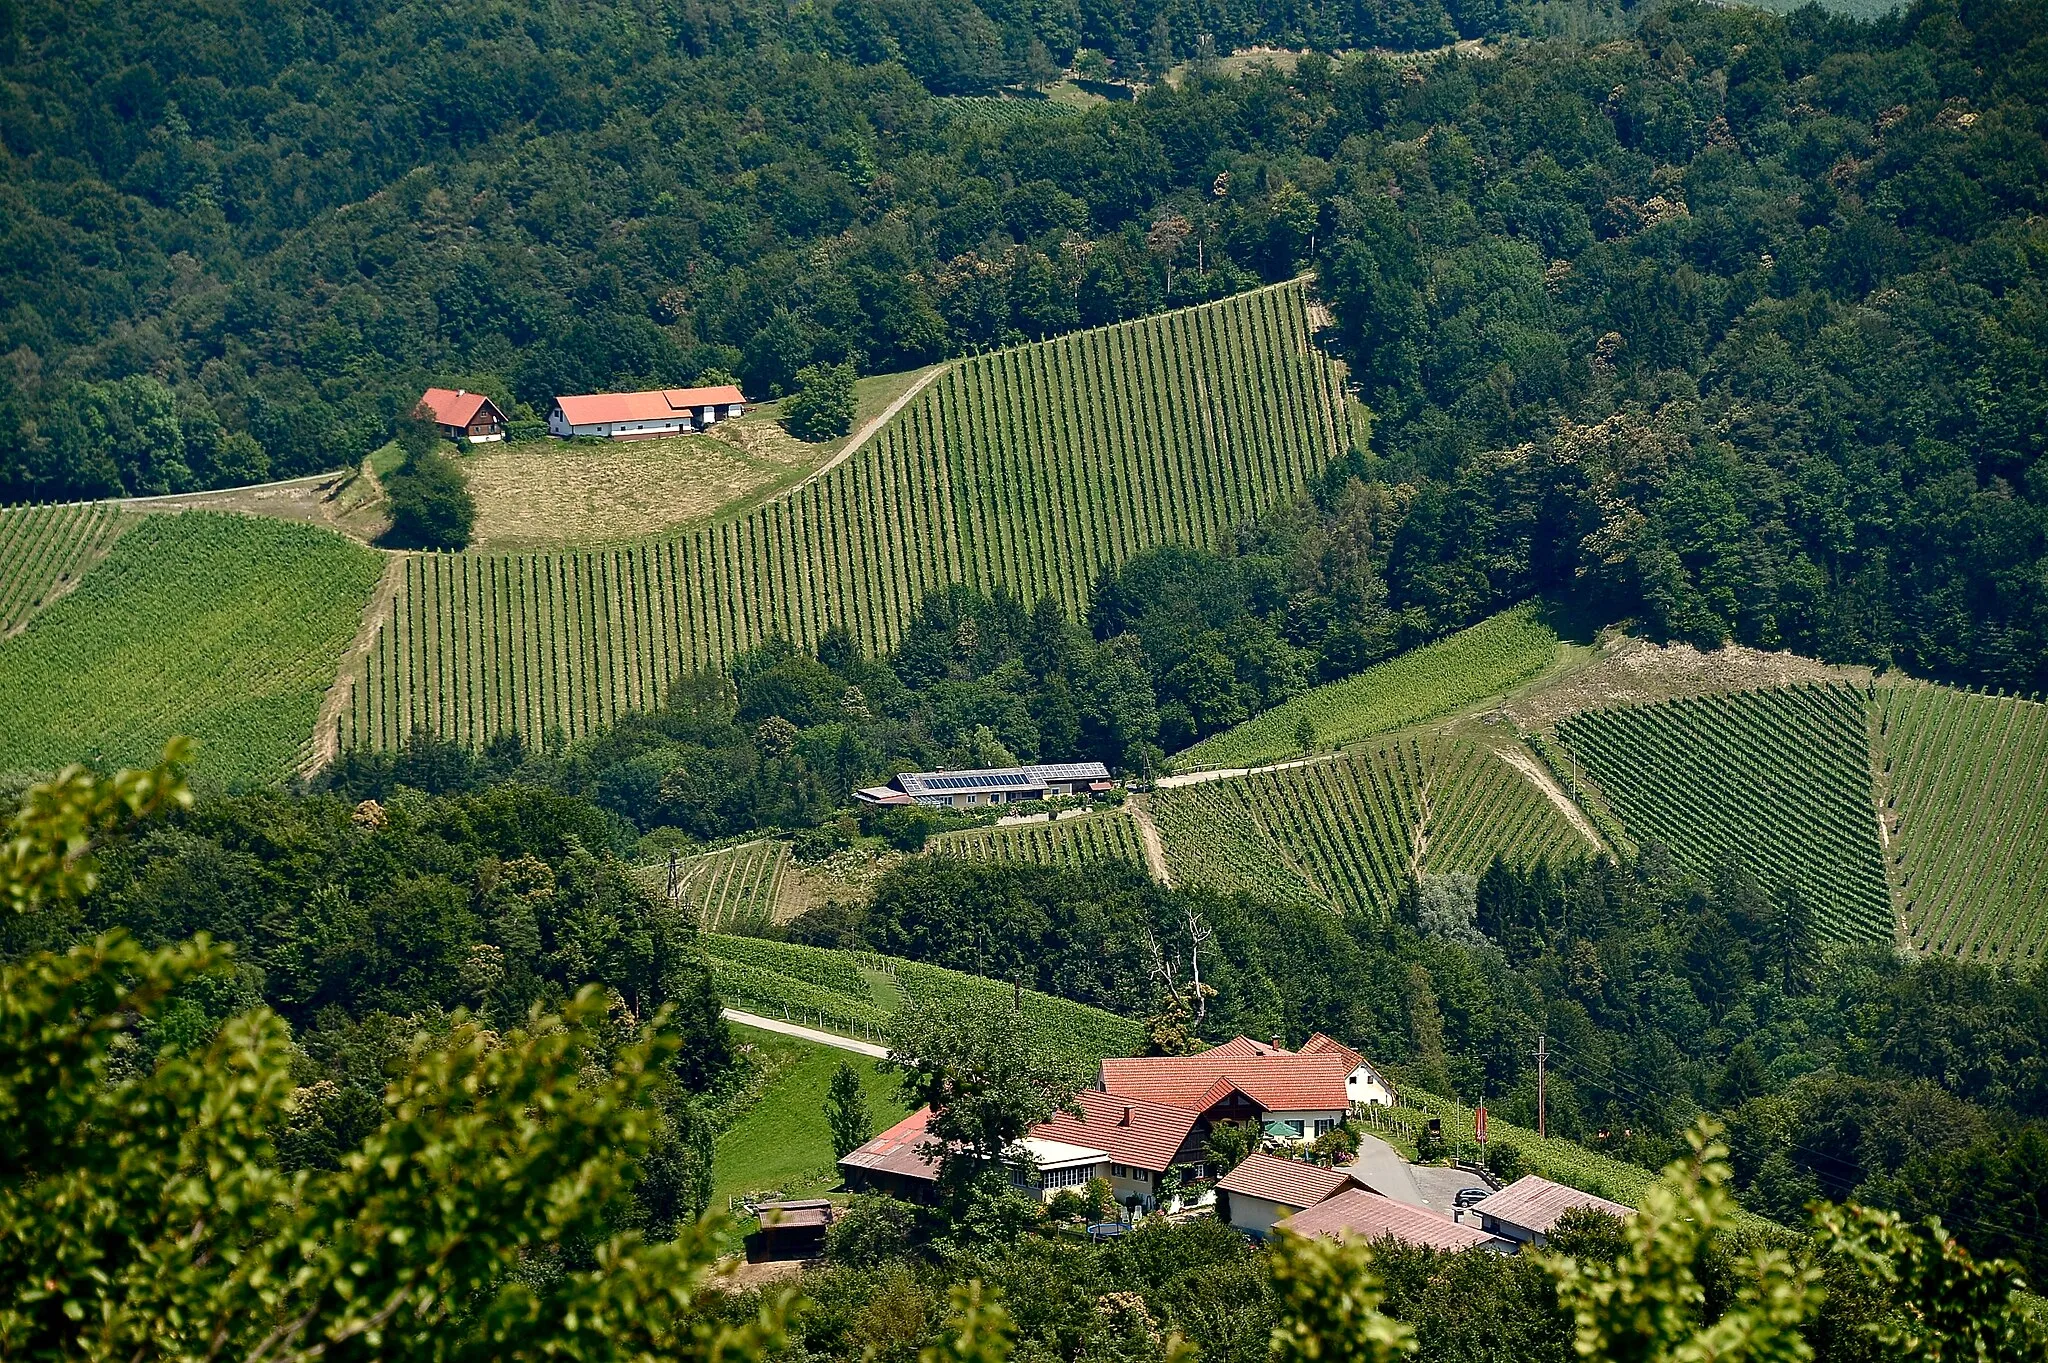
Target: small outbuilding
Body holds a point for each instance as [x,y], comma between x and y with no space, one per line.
[790,1230]
[463,416]
[1362,1214]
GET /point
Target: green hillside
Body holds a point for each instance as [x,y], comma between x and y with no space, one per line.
[1351,830]
[225,628]
[1032,468]
[1068,842]
[732,888]
[779,1140]
[44,549]
[857,994]
[1472,665]
[1965,781]
[1779,779]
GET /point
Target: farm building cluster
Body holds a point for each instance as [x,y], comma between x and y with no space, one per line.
[1147,1116]
[475,419]
[989,785]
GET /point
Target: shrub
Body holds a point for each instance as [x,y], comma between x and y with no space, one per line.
[823,406]
[430,506]
[1505,1161]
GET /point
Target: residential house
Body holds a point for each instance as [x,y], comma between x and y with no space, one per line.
[1266,1189]
[1295,1097]
[1128,1141]
[462,415]
[643,416]
[1526,1210]
[989,785]
[1362,1214]
[1363,1084]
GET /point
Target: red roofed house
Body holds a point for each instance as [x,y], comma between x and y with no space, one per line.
[893,1163]
[1363,1085]
[1267,1189]
[1302,1095]
[462,415]
[642,416]
[1362,1214]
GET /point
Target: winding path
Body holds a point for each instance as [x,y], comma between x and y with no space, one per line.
[866,433]
[833,1039]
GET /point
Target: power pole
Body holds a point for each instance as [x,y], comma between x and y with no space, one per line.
[1542,1072]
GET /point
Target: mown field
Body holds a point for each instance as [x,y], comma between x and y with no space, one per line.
[44,549]
[1033,468]
[224,628]
[1349,831]
[1779,779]
[1965,782]
[780,1142]
[1110,836]
[1490,658]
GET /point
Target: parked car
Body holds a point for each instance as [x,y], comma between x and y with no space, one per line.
[1467,1196]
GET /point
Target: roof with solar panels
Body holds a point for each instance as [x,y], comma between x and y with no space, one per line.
[990,784]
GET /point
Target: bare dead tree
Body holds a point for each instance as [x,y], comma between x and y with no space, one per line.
[1200,934]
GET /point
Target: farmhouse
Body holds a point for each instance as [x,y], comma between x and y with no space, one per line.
[1363,1084]
[642,416]
[988,785]
[1526,1210]
[1294,1097]
[462,415]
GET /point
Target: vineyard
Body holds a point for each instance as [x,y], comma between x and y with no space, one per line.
[1350,831]
[993,113]
[1486,660]
[1066,842]
[43,549]
[1033,468]
[856,994]
[225,628]
[733,888]
[1966,802]
[1777,778]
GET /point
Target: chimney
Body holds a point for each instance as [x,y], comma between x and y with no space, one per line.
[462,392]
[1276,1043]
[1126,1119]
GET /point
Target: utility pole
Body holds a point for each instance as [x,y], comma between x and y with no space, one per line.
[1542,1071]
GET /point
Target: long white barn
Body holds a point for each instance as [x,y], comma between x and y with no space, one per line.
[642,416]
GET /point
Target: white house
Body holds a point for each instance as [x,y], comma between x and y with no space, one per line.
[1294,1097]
[1363,1085]
[643,416]
[988,785]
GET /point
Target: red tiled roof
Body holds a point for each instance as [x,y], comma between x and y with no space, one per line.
[1128,1130]
[657,404]
[895,1151]
[1277,1083]
[452,407]
[1535,1204]
[1319,1044]
[1362,1214]
[1289,1182]
[1240,1047]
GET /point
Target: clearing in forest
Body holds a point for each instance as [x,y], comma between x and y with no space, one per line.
[224,628]
[1778,780]
[1033,468]
[554,493]
[1965,782]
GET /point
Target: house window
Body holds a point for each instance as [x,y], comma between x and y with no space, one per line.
[1323,1124]
[1293,1124]
[1065,1178]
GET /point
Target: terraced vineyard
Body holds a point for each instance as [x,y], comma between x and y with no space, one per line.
[733,887]
[225,628]
[1349,831]
[43,549]
[1066,842]
[1780,778]
[1034,468]
[1966,802]
[1491,657]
